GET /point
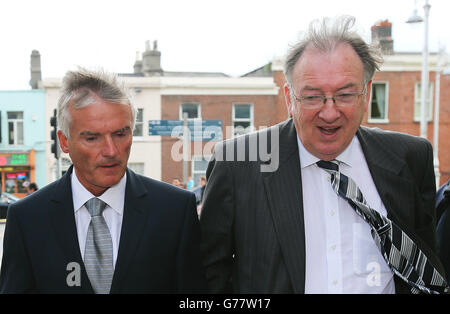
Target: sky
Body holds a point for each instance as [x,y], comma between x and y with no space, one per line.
[229,36]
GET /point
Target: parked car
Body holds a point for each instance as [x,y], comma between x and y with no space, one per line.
[5,200]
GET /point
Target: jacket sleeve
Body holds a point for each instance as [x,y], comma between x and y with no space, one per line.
[427,187]
[216,221]
[16,272]
[190,272]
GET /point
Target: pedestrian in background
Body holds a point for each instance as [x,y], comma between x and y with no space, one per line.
[190,183]
[202,182]
[31,188]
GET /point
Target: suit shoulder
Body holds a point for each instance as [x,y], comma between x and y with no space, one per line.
[34,203]
[396,140]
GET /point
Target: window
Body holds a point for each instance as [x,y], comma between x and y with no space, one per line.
[137,167]
[15,128]
[14,181]
[242,119]
[418,102]
[192,110]
[139,125]
[199,165]
[378,105]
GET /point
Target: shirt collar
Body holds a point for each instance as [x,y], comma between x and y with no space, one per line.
[347,156]
[114,196]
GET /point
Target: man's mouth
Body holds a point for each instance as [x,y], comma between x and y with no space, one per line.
[109,166]
[329,130]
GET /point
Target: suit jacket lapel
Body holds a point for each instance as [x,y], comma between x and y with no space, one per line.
[284,193]
[62,219]
[134,220]
[385,169]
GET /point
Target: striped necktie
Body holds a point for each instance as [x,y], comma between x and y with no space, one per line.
[400,252]
[98,254]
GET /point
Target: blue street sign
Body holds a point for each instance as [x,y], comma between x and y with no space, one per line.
[200,130]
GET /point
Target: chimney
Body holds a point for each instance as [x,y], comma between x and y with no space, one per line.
[151,60]
[382,36]
[35,67]
[138,63]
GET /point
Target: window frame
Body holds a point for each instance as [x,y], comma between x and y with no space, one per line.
[15,128]
[234,119]
[142,123]
[385,119]
[199,111]
[418,100]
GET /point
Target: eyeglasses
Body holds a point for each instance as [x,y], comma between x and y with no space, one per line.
[340,100]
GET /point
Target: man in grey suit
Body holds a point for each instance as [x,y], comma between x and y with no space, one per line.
[278,224]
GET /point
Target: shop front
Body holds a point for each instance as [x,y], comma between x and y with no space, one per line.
[16,168]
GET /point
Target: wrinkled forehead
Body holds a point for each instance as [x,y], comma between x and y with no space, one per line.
[340,62]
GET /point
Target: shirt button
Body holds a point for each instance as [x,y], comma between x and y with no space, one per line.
[333,247]
[332,212]
[335,282]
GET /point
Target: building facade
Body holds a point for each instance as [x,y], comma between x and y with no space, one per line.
[22,140]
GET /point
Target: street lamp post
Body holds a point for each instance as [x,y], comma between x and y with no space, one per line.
[436,118]
[441,68]
[424,82]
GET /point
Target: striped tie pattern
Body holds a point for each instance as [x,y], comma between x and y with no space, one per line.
[98,254]
[400,252]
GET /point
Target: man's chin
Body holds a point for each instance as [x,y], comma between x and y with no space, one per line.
[110,177]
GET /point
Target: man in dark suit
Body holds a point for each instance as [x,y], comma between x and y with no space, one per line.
[101,228]
[274,223]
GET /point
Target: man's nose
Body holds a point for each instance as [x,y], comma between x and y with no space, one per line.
[109,148]
[329,111]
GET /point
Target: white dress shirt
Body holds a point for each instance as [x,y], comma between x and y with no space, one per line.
[114,197]
[341,255]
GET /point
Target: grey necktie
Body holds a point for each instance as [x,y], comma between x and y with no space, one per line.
[98,253]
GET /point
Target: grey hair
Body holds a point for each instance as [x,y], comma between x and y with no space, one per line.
[81,88]
[325,35]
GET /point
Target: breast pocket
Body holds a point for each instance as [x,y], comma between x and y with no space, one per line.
[367,258]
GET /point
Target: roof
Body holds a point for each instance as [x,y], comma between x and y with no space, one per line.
[179,74]
[264,71]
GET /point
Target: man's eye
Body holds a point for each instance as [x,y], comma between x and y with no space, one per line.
[90,139]
[346,96]
[312,97]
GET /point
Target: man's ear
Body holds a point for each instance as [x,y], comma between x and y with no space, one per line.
[63,142]
[287,98]
[368,95]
